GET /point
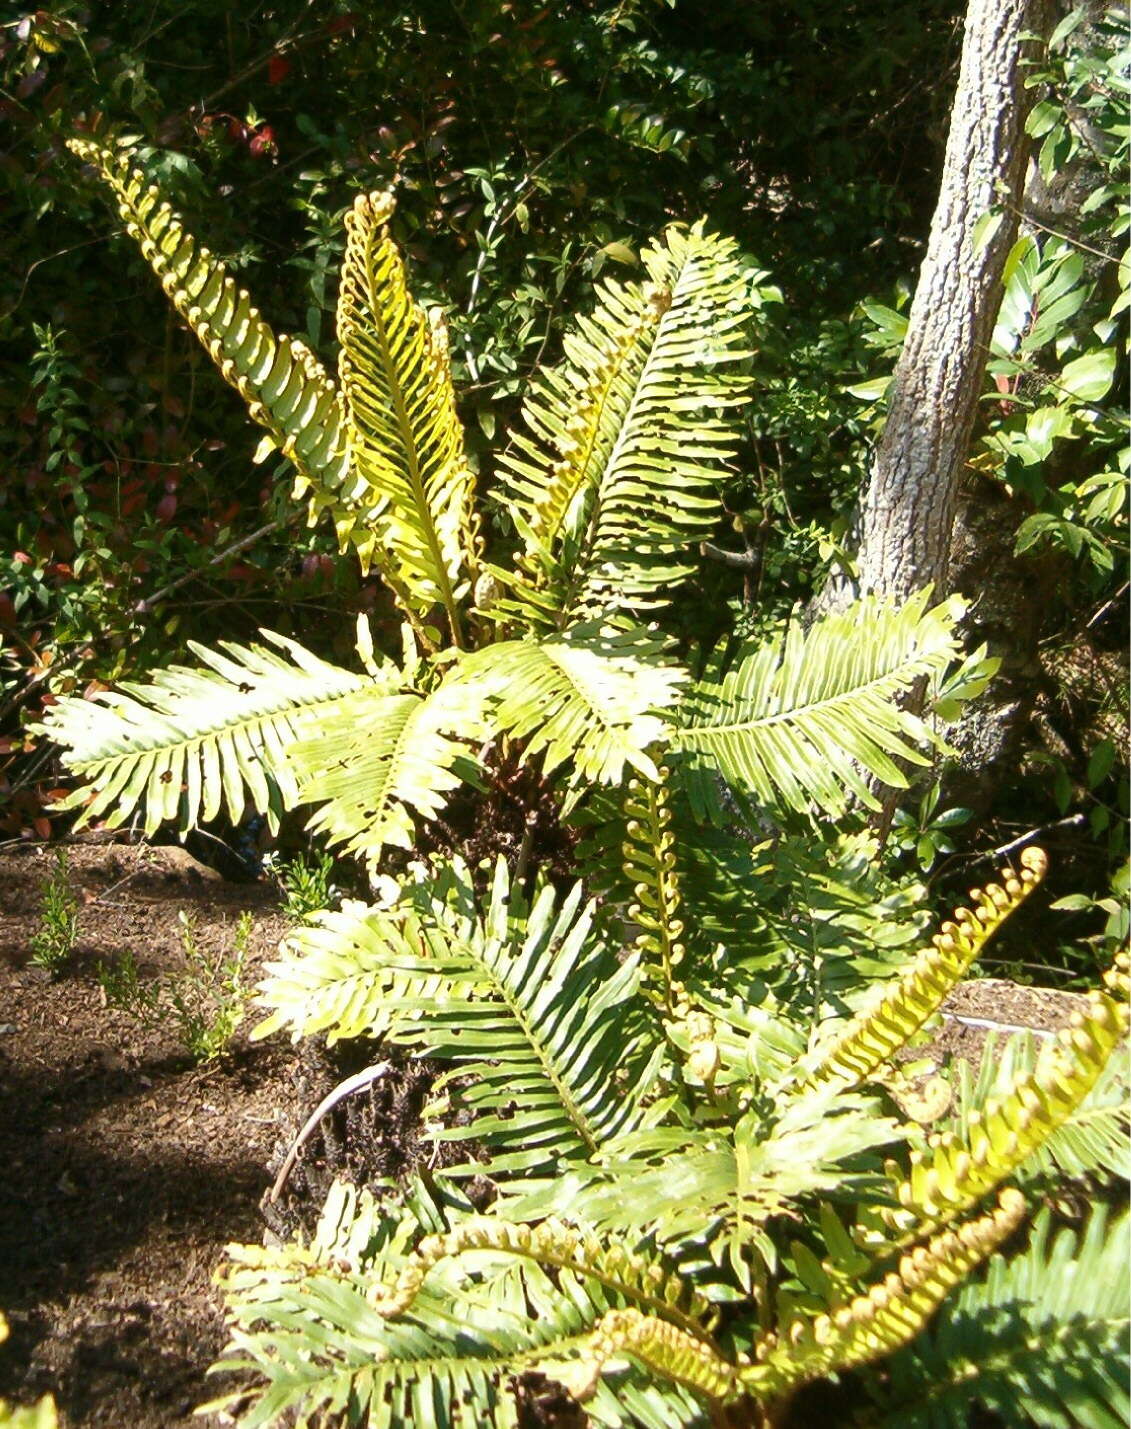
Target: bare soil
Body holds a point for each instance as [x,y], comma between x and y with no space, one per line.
[124,1169]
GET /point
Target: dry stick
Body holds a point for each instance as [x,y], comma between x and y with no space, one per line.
[993,1026]
[352,1084]
[742,560]
[143,607]
[1071,822]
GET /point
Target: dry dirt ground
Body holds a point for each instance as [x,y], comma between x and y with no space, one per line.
[124,1169]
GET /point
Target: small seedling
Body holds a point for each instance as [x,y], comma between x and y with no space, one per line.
[304,883]
[54,942]
[204,1002]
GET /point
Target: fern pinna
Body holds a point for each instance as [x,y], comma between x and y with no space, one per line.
[704,1198]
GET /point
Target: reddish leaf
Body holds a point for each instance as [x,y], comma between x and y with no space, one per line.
[278,67]
[166,508]
[263,142]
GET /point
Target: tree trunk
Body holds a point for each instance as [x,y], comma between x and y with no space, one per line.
[904,523]
[1019,597]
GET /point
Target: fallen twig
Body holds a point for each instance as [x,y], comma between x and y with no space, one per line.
[356,1083]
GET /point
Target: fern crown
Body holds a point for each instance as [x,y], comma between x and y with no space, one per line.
[611,481]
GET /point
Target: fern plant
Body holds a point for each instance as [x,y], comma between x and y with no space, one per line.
[703,1200]
[555,657]
[700,1206]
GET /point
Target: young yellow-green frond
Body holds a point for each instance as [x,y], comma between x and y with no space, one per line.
[614,479]
[888,1316]
[284,385]
[588,697]
[802,719]
[650,870]
[665,1350]
[1092,1141]
[871,1039]
[406,443]
[958,1169]
[380,761]
[193,741]
[649,1282]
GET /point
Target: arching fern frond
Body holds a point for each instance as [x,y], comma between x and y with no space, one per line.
[648,1282]
[1041,1340]
[614,479]
[587,698]
[803,719]
[959,1167]
[531,1004]
[1092,1140]
[406,443]
[871,1039]
[285,386]
[888,1316]
[715,1188]
[192,741]
[301,1320]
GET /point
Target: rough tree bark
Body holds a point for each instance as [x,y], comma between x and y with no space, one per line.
[1017,595]
[903,528]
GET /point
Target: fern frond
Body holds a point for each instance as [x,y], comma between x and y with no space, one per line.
[192,741]
[871,1039]
[549,1028]
[406,443]
[1092,1140]
[1041,1340]
[715,1190]
[531,1004]
[888,1316]
[647,1281]
[614,480]
[285,386]
[587,698]
[959,1168]
[802,719]
[379,761]
[336,973]
[302,1321]
[650,870]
